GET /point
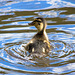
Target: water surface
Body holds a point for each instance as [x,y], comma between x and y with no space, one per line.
[15,32]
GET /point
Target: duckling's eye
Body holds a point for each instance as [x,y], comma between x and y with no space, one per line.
[38,23]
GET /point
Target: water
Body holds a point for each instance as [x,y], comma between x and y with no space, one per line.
[15,32]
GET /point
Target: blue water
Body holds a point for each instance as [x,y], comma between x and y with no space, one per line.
[15,32]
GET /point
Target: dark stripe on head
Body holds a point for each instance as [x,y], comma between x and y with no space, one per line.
[42,19]
[37,21]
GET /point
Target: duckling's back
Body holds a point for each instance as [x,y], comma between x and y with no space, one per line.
[38,46]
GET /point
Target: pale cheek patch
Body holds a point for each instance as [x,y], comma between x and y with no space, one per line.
[41,26]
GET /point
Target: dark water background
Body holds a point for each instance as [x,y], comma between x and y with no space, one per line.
[15,32]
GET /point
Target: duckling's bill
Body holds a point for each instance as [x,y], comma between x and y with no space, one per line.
[31,24]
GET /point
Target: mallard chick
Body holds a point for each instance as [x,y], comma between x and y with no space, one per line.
[40,42]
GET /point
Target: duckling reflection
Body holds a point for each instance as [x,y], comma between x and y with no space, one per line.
[39,43]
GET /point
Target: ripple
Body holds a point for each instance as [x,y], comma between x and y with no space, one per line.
[15,32]
[13,58]
[34,5]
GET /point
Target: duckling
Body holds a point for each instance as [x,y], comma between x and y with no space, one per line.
[40,42]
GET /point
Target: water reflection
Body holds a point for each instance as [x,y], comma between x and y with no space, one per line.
[15,32]
[35,5]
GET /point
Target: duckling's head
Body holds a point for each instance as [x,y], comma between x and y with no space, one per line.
[39,23]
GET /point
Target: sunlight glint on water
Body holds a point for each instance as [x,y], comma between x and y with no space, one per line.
[16,33]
